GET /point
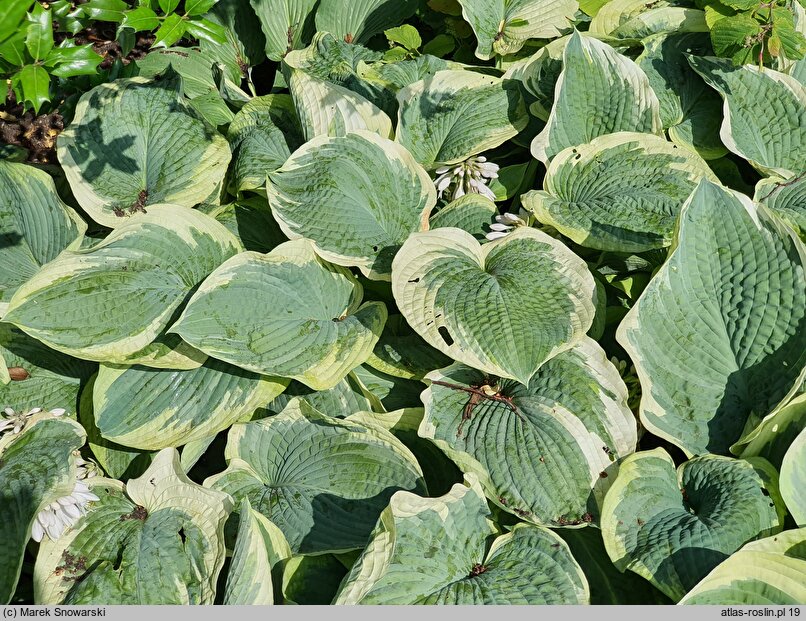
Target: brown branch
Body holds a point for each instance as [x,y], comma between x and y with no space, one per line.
[778,186]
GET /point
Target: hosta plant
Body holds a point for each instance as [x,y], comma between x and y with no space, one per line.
[397,302]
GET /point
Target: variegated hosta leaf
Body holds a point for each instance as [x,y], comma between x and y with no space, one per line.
[454,114]
[343,399]
[689,108]
[793,479]
[539,75]
[617,13]
[259,547]
[288,313]
[112,300]
[672,528]
[434,551]
[326,109]
[312,580]
[135,144]
[387,391]
[718,337]
[503,26]
[323,481]
[357,197]
[36,468]
[287,25]
[774,142]
[786,199]
[33,375]
[768,571]
[598,92]
[505,307]
[262,136]
[357,20]
[772,437]
[334,60]
[608,585]
[544,452]
[472,213]
[152,409]
[621,192]
[35,225]
[401,352]
[157,540]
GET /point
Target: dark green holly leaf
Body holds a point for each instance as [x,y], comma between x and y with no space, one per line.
[70,60]
[39,33]
[168,6]
[12,12]
[171,31]
[198,7]
[33,83]
[105,10]
[13,49]
[141,18]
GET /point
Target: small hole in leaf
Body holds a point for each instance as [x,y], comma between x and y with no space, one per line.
[765,492]
[414,280]
[182,535]
[375,249]
[446,336]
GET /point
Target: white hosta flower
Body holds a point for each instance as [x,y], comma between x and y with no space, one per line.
[504,224]
[63,513]
[468,177]
[14,422]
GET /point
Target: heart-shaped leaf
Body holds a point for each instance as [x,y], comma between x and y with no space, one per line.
[621,192]
[161,529]
[543,452]
[446,118]
[323,481]
[357,20]
[434,551]
[505,307]
[598,92]
[708,370]
[325,192]
[154,149]
[287,313]
[110,301]
[672,528]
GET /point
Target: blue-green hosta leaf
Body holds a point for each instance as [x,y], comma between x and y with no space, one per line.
[767,571]
[313,579]
[598,92]
[152,409]
[546,452]
[621,192]
[262,136]
[288,313]
[772,437]
[773,142]
[787,199]
[157,540]
[505,307]
[388,392]
[329,109]
[33,375]
[259,547]
[662,20]
[134,144]
[608,585]
[345,398]
[503,26]
[35,225]
[793,479]
[718,337]
[453,115]
[689,109]
[472,213]
[118,462]
[110,301]
[434,551]
[36,468]
[401,352]
[357,20]
[358,197]
[287,25]
[323,481]
[672,528]
[405,72]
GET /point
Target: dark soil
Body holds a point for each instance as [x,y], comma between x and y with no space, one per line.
[37,134]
